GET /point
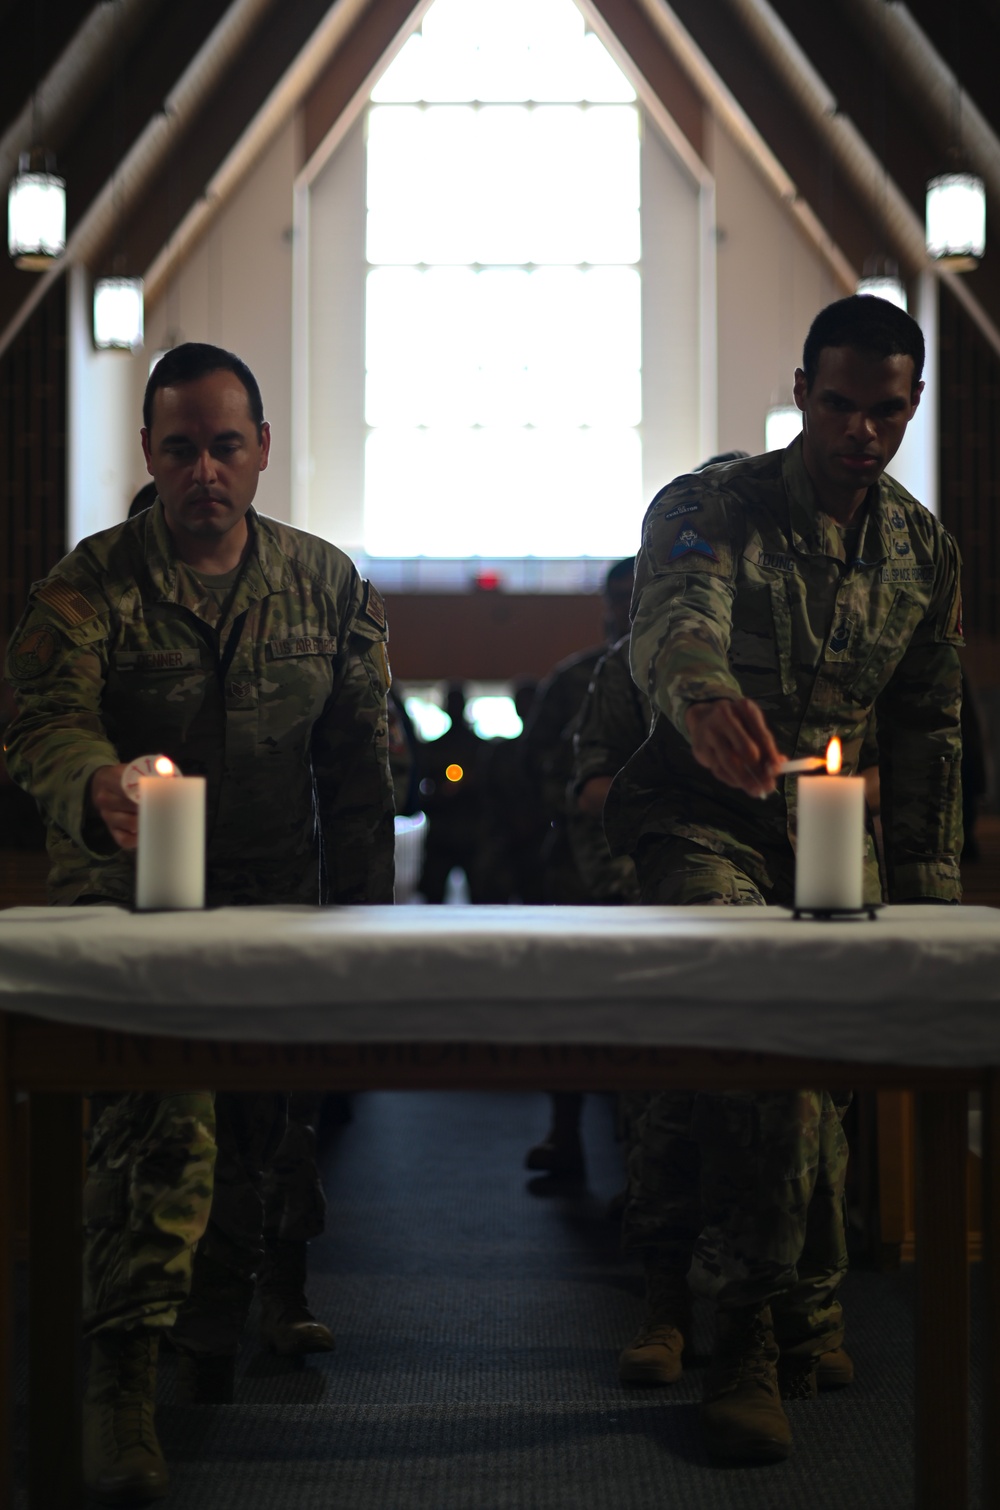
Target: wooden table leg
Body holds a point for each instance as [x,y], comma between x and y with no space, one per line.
[991,1286]
[54,1301]
[942,1320]
[6,1273]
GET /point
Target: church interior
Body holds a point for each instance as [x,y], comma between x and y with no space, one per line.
[503,269]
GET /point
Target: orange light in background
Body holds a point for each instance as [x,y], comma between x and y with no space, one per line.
[454,772]
[833,757]
[164,766]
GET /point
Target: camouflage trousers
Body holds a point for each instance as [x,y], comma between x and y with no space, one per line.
[294,1201]
[742,1192]
[180,1190]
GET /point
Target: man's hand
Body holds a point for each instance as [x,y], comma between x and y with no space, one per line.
[118,812]
[730,738]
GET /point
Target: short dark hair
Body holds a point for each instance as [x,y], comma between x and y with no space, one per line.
[868,324]
[196,359]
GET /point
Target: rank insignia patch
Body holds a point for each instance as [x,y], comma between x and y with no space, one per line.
[690,543]
[33,653]
[374,608]
[840,638]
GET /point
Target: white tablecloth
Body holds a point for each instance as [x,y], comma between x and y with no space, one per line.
[919,985]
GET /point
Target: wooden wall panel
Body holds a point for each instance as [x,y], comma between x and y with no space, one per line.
[32,455]
[969,412]
[487,636]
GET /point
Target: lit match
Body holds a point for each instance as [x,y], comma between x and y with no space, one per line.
[797,767]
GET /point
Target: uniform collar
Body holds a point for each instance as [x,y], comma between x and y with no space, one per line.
[265,570]
[813,532]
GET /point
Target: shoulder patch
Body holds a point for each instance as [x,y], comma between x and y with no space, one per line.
[33,652]
[373,607]
[688,543]
[70,605]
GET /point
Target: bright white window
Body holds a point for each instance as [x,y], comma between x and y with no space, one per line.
[503,392]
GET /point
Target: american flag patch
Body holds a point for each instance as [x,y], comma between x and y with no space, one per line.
[71,606]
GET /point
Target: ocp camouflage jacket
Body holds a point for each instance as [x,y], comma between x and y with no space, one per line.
[280,704]
[743,589]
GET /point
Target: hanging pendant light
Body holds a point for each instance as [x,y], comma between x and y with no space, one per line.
[118,313]
[881,280]
[890,289]
[36,212]
[781,425]
[956,220]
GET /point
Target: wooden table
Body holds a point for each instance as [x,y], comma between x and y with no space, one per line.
[589,999]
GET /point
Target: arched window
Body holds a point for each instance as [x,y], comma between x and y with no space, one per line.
[497,296]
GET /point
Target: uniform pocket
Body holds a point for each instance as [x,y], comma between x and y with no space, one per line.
[902,618]
[760,643]
[781,612]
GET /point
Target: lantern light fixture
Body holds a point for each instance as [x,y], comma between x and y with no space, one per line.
[118,314]
[36,212]
[880,279]
[782,423]
[890,289]
[956,220]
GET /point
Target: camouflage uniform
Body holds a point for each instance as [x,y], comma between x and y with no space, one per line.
[611,724]
[745,589]
[548,758]
[273,686]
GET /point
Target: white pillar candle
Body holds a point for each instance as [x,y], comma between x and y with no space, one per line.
[170,870]
[830,841]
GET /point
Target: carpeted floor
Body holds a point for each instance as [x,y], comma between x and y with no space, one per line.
[478,1320]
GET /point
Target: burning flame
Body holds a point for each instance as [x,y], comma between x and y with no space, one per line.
[164,766]
[833,757]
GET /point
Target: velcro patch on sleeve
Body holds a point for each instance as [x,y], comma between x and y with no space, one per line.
[33,652]
[373,607]
[71,606]
[689,543]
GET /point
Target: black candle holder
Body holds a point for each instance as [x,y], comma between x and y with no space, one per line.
[836,914]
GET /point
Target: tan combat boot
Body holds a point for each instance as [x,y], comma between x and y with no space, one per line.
[741,1412]
[835,1369]
[287,1325]
[654,1354]
[122,1461]
[801,1378]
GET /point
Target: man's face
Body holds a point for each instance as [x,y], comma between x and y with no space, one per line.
[204,454]
[854,417]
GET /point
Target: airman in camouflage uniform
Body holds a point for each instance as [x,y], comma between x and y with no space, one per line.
[548,761]
[780,601]
[610,726]
[253,655]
